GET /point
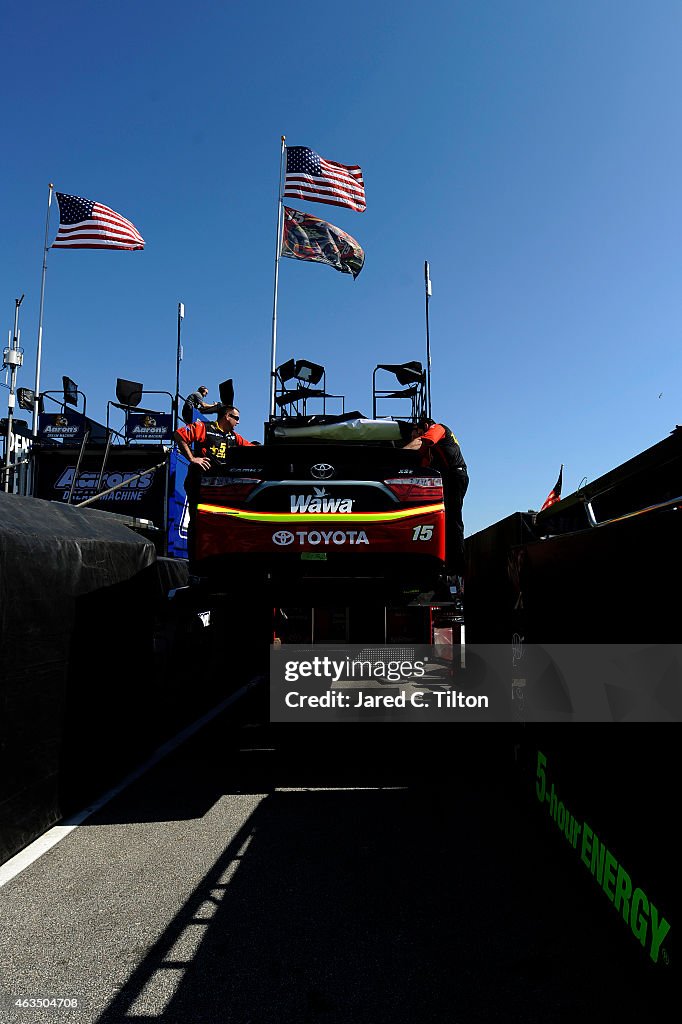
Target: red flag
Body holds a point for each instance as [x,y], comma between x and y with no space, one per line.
[555,494]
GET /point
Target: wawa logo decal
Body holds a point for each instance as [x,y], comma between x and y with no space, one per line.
[320,502]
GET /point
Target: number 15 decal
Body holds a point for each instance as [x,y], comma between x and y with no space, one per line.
[422,533]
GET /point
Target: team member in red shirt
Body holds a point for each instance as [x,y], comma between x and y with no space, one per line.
[206,447]
[440,449]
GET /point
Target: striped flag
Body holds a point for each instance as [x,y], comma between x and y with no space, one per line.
[84,224]
[309,176]
[555,494]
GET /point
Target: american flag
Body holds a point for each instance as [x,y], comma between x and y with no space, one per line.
[84,224]
[555,494]
[309,176]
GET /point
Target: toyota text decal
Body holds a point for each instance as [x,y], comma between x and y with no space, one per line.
[316,537]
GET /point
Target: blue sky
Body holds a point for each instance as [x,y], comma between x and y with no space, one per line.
[531,151]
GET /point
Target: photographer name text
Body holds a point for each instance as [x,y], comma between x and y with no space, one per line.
[364,699]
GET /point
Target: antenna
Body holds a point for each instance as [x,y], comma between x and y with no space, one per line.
[178,359]
[427,289]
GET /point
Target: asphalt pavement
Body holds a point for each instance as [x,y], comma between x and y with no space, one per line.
[278,874]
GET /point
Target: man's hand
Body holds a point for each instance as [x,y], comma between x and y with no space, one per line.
[197,460]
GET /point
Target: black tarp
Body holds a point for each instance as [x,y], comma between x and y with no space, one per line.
[55,562]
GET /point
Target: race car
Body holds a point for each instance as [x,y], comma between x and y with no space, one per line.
[346,510]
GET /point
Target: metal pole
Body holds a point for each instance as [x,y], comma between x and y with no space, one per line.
[166,496]
[14,363]
[24,462]
[273,358]
[427,287]
[86,435]
[181,317]
[36,392]
[104,460]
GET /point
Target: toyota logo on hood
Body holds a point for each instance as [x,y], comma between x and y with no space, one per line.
[322,471]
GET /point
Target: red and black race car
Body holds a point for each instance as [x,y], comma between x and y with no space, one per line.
[314,509]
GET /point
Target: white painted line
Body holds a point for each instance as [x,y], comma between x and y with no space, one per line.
[338,789]
[13,867]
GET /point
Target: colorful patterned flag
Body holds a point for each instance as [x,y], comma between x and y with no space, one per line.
[305,238]
[309,176]
[555,494]
[84,224]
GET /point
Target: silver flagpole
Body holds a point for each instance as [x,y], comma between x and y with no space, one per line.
[273,358]
[39,350]
[427,284]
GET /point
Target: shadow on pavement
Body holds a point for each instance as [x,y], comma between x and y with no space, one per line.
[436,901]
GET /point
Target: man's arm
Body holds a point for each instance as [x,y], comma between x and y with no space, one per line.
[181,438]
[432,436]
